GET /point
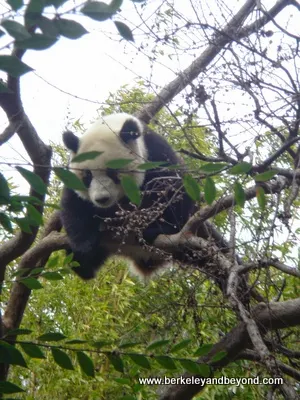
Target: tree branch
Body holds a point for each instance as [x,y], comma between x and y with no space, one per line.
[267,316]
[233,31]
[39,153]
[220,40]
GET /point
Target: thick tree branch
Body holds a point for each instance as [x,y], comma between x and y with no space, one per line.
[233,31]
[39,153]
[286,369]
[189,74]
[267,316]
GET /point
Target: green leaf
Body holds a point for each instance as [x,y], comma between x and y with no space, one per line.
[15,4]
[13,66]
[27,199]
[204,370]
[123,381]
[131,189]
[69,179]
[76,341]
[165,362]
[15,206]
[219,356]
[5,222]
[181,345]
[212,167]
[61,358]
[9,388]
[68,259]
[52,276]
[191,187]
[190,366]
[261,197]
[115,5]
[53,261]
[53,206]
[4,190]
[15,29]
[203,350]
[34,180]
[157,344]
[66,271]
[31,283]
[116,361]
[34,216]
[32,350]
[140,360]
[23,224]
[37,41]
[47,26]
[97,10]
[239,194]
[152,165]
[19,331]
[90,155]
[20,272]
[3,87]
[240,168]
[36,271]
[209,190]
[265,176]
[11,355]
[86,364]
[124,31]
[51,337]
[34,8]
[128,344]
[70,29]
[100,343]
[118,163]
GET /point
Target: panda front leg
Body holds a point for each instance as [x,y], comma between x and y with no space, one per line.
[89,262]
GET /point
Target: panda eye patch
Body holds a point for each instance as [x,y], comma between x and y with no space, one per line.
[87,177]
[113,175]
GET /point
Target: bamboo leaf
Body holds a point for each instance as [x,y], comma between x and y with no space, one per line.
[124,31]
[34,180]
[131,189]
[86,364]
[61,358]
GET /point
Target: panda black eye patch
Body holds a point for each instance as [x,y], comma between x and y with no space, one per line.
[113,175]
[87,177]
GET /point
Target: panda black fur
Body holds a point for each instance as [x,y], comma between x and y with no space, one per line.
[121,136]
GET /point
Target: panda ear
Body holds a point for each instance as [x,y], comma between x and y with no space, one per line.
[131,130]
[71,141]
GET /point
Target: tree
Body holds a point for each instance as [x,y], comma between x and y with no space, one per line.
[243,79]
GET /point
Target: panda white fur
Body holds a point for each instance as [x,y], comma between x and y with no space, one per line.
[92,218]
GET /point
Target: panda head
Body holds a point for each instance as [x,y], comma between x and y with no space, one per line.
[117,136]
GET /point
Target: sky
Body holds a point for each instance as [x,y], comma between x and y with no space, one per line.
[80,68]
[73,78]
[89,68]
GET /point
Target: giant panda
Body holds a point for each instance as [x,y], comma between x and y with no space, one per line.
[100,221]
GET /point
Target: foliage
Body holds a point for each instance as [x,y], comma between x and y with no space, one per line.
[118,318]
[36,16]
[95,340]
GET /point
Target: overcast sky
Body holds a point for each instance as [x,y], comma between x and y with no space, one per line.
[89,68]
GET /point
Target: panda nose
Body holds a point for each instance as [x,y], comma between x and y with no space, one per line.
[102,200]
